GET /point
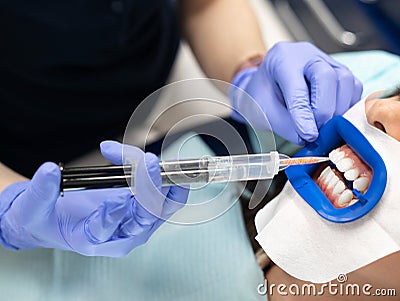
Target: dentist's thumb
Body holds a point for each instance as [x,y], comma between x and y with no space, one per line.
[39,199]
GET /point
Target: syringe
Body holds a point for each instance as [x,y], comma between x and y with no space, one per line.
[205,170]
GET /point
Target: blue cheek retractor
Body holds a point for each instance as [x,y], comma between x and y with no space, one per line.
[337,132]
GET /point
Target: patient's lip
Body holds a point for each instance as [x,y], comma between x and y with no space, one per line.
[349,168]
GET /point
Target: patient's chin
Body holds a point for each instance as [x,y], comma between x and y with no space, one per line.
[347,171]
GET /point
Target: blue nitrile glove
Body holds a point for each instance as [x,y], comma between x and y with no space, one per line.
[298,88]
[105,222]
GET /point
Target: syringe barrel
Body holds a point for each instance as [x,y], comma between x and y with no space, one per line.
[184,172]
[217,169]
[243,167]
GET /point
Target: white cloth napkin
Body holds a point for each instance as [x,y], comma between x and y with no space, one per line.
[310,248]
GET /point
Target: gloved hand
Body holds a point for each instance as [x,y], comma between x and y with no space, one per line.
[298,88]
[106,222]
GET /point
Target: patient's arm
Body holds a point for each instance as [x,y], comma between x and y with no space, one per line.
[381,274]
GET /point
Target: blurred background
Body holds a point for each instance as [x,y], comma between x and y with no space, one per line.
[332,25]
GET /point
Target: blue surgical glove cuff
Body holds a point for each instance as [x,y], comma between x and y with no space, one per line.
[240,80]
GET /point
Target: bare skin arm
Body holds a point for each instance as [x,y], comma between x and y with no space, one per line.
[222,34]
[8,176]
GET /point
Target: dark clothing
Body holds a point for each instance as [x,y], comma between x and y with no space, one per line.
[72,73]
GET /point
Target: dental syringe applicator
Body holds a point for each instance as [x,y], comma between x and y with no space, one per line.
[185,172]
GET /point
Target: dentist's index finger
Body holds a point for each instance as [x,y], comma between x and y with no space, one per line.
[323,85]
[296,94]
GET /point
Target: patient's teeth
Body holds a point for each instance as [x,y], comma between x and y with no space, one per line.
[333,181]
[351,174]
[344,164]
[361,183]
[325,173]
[336,155]
[345,197]
[339,187]
[353,201]
[333,153]
[329,176]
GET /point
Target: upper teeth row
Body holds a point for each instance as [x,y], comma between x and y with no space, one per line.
[351,173]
